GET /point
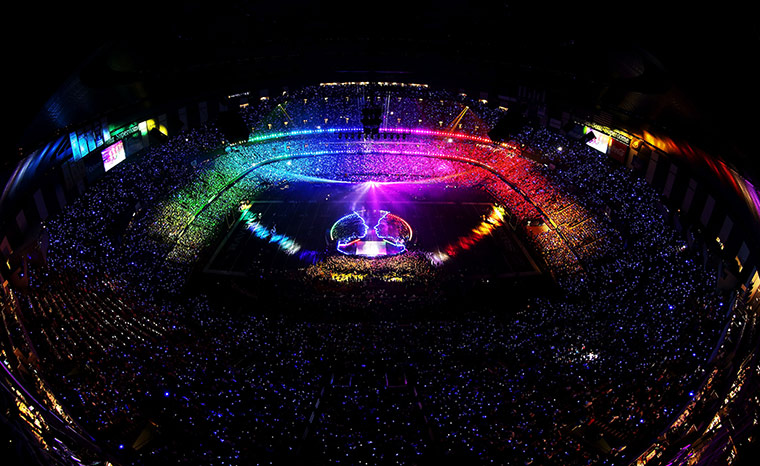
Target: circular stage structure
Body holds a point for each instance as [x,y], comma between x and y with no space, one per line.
[371,233]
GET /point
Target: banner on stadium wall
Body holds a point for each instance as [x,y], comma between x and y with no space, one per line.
[93,167]
[611,132]
[618,151]
[134,135]
[68,181]
[5,247]
[85,141]
[73,173]
[600,142]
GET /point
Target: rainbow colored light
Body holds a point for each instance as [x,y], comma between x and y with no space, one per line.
[415,131]
[494,220]
[285,243]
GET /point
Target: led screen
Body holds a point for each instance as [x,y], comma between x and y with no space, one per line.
[113,155]
[600,142]
[371,248]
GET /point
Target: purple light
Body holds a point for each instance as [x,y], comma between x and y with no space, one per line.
[113,155]
[432,132]
[415,131]
[371,248]
[370,243]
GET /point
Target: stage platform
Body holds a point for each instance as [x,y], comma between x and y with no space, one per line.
[289,229]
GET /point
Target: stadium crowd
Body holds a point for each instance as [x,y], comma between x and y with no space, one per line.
[161,372]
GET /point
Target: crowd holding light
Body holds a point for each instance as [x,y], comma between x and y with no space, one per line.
[350,375]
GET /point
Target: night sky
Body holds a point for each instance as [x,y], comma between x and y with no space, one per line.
[708,52]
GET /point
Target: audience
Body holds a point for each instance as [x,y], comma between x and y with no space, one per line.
[588,375]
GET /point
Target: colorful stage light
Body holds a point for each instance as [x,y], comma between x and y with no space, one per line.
[279,158]
[354,237]
[285,243]
[494,220]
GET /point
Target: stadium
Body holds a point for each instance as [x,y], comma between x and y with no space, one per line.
[249,235]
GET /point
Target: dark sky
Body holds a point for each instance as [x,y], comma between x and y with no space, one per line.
[709,51]
[51,40]
[45,52]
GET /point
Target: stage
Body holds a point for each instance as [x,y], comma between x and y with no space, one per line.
[288,228]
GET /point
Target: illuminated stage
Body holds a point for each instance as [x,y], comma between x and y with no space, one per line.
[456,229]
[372,233]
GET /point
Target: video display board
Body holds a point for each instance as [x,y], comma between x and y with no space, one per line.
[113,155]
[601,141]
